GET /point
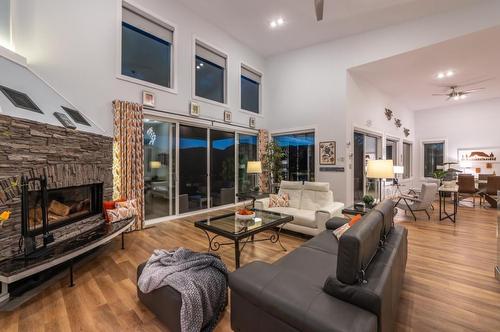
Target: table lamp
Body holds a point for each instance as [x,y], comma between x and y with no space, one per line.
[380,169]
[254,167]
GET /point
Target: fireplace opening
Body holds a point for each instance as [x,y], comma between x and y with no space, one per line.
[63,206]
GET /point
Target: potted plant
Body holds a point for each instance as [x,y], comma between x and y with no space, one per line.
[271,161]
[440,175]
[368,200]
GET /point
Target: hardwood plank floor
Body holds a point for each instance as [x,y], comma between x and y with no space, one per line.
[449,282]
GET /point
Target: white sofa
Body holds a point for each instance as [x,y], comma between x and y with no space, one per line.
[311,205]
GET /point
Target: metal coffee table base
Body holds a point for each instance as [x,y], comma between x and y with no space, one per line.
[239,244]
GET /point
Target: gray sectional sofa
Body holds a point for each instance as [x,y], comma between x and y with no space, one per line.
[352,284]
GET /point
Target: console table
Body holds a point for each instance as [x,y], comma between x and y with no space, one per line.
[19,267]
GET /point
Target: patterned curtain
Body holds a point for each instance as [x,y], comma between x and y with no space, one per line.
[263,139]
[128,155]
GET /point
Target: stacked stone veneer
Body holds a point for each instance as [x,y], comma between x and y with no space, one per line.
[66,157]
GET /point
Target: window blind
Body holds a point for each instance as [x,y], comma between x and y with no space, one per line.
[148,25]
[209,55]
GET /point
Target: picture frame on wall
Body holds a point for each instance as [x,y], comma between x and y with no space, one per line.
[148,99]
[194,109]
[328,153]
[228,116]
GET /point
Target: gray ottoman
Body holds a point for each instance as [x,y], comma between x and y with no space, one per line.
[164,302]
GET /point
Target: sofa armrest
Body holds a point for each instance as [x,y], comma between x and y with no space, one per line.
[325,213]
[262,204]
[336,222]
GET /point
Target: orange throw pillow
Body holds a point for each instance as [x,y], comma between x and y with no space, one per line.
[355,219]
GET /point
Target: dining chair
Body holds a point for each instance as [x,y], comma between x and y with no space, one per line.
[467,186]
[491,191]
[482,178]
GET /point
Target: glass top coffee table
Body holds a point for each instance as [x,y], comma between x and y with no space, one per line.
[241,232]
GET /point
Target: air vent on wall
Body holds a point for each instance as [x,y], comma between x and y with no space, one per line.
[20,99]
[76,116]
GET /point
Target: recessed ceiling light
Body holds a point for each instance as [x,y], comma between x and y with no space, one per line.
[449,73]
[463,96]
[273,24]
[280,21]
[197,67]
[456,98]
[201,64]
[440,75]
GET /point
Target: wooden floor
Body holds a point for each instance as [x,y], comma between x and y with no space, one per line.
[449,283]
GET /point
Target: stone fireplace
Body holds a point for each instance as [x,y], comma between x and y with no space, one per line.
[78,170]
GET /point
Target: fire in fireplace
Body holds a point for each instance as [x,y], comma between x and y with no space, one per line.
[56,207]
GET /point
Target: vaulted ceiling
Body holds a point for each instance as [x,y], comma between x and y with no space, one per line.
[248,20]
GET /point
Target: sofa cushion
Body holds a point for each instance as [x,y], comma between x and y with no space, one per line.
[300,217]
[315,200]
[324,241]
[357,247]
[317,186]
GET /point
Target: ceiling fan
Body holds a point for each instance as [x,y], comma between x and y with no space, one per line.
[319,5]
[455,93]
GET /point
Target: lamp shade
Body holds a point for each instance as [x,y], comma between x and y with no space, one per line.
[155,164]
[399,169]
[254,167]
[380,169]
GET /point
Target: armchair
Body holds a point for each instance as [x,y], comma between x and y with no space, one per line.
[421,203]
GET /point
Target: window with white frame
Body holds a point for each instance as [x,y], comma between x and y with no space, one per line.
[391,150]
[250,90]
[407,160]
[210,74]
[433,157]
[147,44]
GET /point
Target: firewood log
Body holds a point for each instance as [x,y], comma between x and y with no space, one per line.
[59,208]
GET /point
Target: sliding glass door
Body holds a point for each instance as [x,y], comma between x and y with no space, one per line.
[193,169]
[189,168]
[366,147]
[247,151]
[159,168]
[222,167]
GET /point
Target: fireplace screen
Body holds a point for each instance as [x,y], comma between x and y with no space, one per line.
[64,206]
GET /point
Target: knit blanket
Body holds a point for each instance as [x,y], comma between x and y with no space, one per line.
[200,278]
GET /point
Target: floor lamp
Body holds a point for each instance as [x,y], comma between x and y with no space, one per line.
[254,167]
[380,169]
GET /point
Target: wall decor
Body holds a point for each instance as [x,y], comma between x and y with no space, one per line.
[388,114]
[228,116]
[369,123]
[406,131]
[251,122]
[397,122]
[489,165]
[148,99]
[327,153]
[194,109]
[479,154]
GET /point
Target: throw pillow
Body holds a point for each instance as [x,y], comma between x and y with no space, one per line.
[279,200]
[340,231]
[117,214]
[130,205]
[355,219]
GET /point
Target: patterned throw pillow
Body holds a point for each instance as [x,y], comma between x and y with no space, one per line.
[130,205]
[341,230]
[279,200]
[117,214]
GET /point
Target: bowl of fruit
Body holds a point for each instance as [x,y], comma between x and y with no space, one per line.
[245,214]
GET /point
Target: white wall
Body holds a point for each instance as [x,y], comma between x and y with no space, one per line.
[73,45]
[367,106]
[5,23]
[462,125]
[307,87]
